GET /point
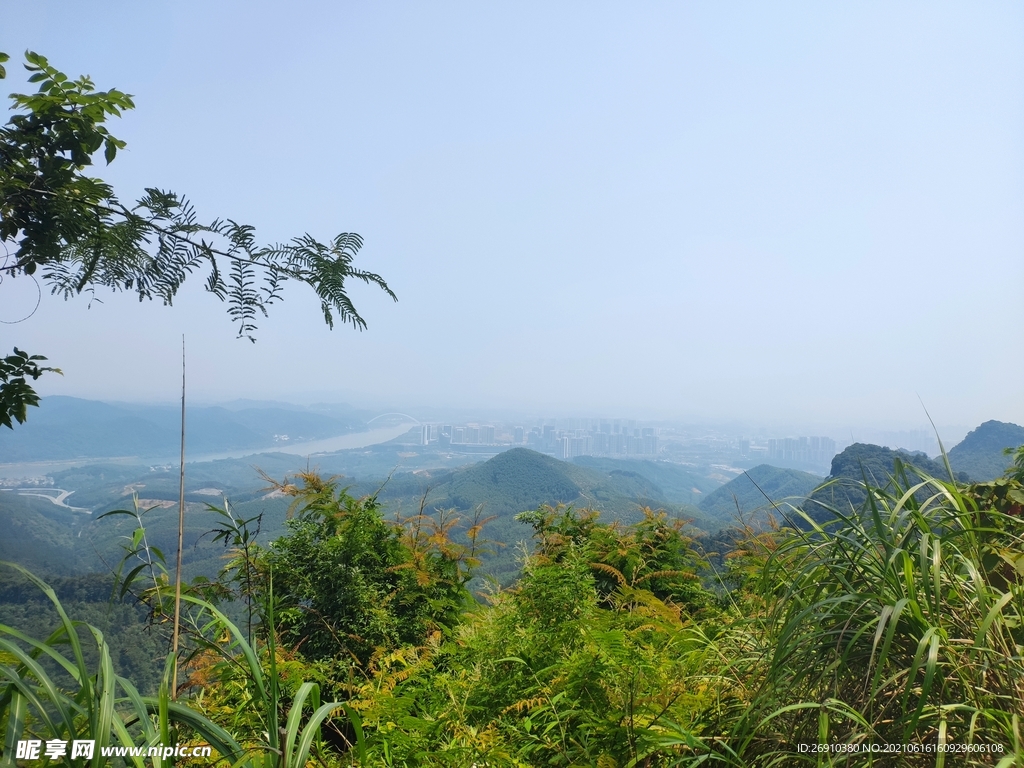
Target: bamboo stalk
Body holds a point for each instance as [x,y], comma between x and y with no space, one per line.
[181,534]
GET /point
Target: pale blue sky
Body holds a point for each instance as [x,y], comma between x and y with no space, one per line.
[810,213]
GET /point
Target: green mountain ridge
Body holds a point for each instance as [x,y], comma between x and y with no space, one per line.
[843,488]
[982,453]
[678,483]
[520,479]
[745,495]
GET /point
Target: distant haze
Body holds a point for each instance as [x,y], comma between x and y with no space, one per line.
[776,213]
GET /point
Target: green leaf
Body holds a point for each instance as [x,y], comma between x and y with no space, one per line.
[127,583]
[16,718]
[116,512]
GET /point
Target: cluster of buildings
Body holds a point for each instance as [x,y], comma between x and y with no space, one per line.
[813,452]
[636,442]
[569,438]
[565,439]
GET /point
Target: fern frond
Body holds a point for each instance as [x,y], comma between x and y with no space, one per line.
[610,570]
[662,575]
[525,705]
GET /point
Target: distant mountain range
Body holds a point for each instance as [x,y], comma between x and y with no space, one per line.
[56,540]
[978,457]
[69,428]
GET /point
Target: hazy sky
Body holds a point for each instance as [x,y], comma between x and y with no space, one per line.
[770,211]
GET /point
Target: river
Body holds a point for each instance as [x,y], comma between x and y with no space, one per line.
[33,469]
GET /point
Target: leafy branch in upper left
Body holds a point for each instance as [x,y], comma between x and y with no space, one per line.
[73,231]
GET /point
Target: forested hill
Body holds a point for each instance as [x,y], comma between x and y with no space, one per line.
[679,483]
[748,492]
[521,479]
[982,453]
[516,480]
[843,489]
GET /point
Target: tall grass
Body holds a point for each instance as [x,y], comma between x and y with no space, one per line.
[67,700]
[900,624]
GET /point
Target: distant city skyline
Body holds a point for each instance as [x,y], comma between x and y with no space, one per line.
[67,432]
[570,437]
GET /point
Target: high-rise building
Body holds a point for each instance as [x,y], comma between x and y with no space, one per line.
[563,448]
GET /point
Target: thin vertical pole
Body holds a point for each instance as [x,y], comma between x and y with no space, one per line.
[181,533]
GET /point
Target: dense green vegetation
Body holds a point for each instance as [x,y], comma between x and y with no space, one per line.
[898,622]
[137,649]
